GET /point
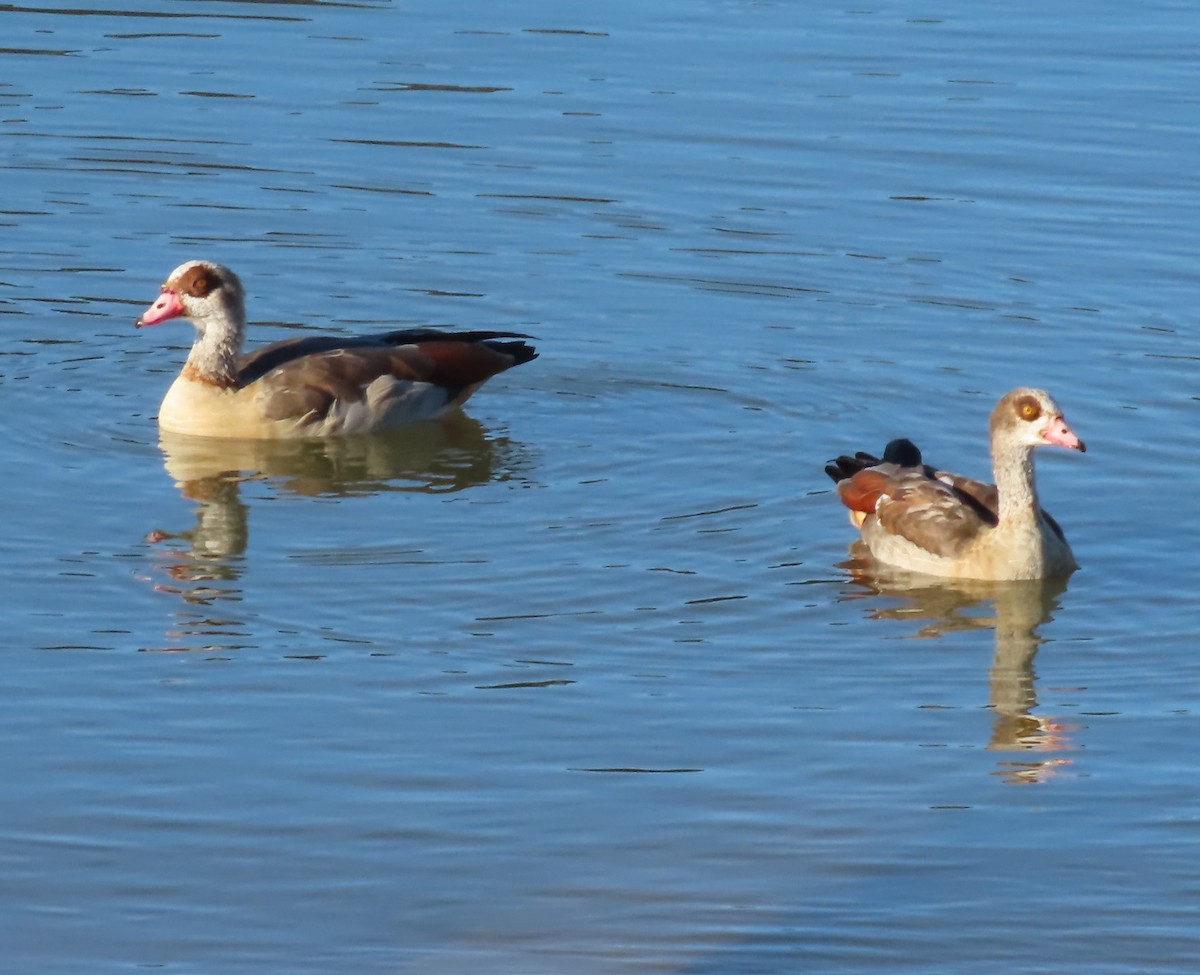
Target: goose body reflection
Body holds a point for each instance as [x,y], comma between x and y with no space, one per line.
[450,455]
[1014,611]
[204,563]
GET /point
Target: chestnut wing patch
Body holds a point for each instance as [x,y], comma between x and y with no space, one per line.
[458,361]
[863,491]
[454,365]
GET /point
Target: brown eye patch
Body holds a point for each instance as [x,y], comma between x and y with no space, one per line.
[196,281]
[1028,408]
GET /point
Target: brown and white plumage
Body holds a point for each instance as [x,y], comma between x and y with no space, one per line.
[312,387]
[917,518]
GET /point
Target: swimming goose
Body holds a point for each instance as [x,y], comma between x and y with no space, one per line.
[916,518]
[312,387]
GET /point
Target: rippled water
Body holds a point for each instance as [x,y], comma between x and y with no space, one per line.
[585,681]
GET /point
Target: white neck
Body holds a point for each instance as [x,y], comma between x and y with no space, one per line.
[218,344]
[1013,467]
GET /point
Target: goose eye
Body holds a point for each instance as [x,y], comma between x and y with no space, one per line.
[1029,409]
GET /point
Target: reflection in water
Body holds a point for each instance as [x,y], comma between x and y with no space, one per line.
[1018,609]
[204,563]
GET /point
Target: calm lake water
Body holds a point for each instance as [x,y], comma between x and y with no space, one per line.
[584,681]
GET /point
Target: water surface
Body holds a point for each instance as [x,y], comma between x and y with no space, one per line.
[585,681]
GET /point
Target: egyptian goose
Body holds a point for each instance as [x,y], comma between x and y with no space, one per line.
[312,387]
[919,519]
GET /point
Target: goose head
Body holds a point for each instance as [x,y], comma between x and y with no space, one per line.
[1029,418]
[202,291]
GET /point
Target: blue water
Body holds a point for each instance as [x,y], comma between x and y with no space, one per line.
[585,681]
